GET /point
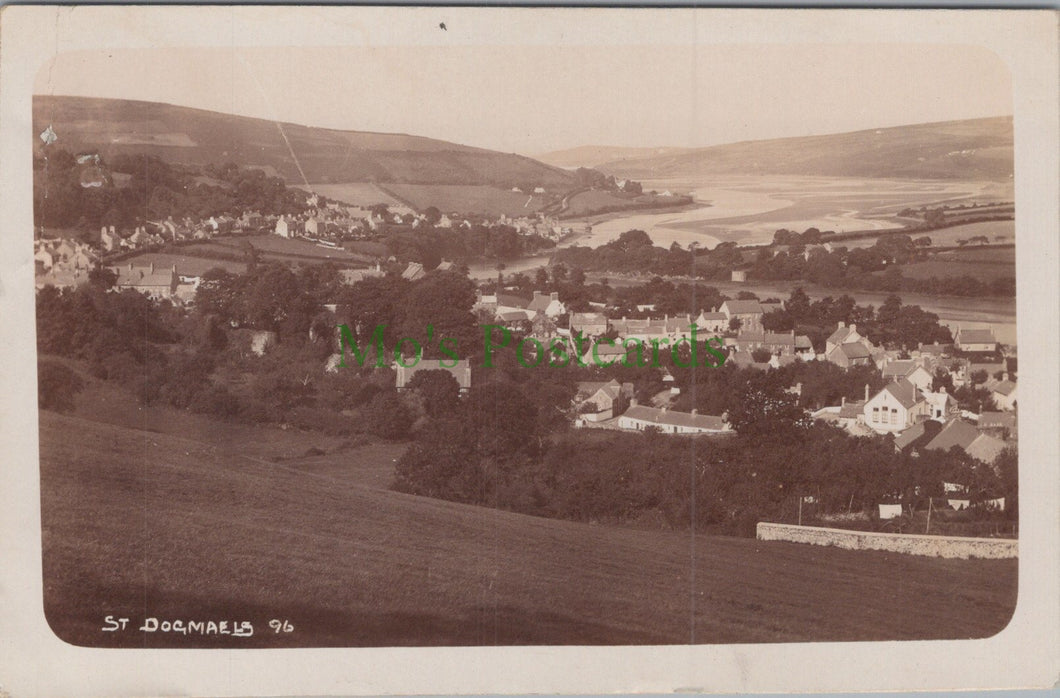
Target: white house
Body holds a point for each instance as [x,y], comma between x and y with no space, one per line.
[895,408]
[549,304]
[283,227]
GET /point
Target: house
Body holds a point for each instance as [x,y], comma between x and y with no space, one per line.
[850,354]
[968,438]
[283,227]
[940,405]
[605,399]
[588,324]
[1002,425]
[748,312]
[973,340]
[156,284]
[909,369]
[1004,394]
[413,272]
[109,239]
[710,322]
[461,371]
[845,334]
[314,226]
[549,305]
[445,266]
[739,276]
[895,408]
[640,417]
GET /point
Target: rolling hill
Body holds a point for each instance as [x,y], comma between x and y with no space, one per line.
[969,149]
[195,136]
[594,155]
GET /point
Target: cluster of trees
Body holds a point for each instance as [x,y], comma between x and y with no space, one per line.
[892,325]
[129,189]
[430,245]
[631,252]
[490,450]
[875,268]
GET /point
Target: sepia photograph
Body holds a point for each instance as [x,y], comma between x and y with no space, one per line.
[447,343]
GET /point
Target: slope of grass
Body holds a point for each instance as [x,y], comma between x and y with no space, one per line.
[196,136]
[144,523]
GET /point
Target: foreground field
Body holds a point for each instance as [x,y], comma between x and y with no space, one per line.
[234,525]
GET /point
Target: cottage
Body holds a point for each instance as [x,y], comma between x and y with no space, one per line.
[973,340]
[640,417]
[1004,394]
[588,324]
[710,322]
[156,284]
[909,369]
[748,312]
[549,305]
[849,354]
[604,400]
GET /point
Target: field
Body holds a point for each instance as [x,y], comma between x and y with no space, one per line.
[948,237]
[593,202]
[186,264]
[460,198]
[362,194]
[156,513]
[228,253]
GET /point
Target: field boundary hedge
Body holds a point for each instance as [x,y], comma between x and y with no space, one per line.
[910,544]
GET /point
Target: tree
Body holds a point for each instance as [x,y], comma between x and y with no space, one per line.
[439,389]
[432,214]
[387,416]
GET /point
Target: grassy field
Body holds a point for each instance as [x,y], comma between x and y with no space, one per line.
[274,245]
[470,199]
[354,193]
[156,513]
[948,237]
[186,264]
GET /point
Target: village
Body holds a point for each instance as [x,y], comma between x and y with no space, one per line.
[915,406]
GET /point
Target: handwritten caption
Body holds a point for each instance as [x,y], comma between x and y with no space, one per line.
[179,626]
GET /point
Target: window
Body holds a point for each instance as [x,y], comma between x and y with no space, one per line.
[894,416]
[875,414]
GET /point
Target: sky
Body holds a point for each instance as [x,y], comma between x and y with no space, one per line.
[536,99]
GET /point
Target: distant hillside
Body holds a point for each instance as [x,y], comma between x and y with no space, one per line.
[196,136]
[595,155]
[969,149]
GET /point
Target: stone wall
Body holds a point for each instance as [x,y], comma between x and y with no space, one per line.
[911,544]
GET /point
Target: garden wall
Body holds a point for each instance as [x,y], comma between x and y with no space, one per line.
[912,544]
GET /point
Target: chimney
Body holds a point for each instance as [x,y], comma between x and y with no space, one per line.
[843,401]
[537,294]
[841,325]
[853,327]
[633,402]
[866,392]
[694,411]
[662,410]
[554,295]
[151,266]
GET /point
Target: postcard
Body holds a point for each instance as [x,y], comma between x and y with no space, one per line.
[403,350]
